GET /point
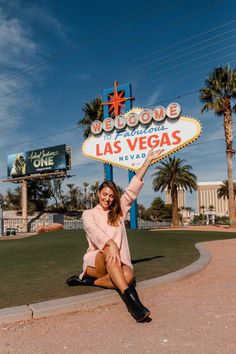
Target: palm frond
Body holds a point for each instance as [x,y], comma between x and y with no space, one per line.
[92,111]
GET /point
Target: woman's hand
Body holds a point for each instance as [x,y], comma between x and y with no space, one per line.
[153,155]
[113,255]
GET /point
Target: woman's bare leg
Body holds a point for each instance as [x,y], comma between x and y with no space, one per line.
[110,276]
[101,280]
[105,282]
[115,272]
[117,275]
[128,273]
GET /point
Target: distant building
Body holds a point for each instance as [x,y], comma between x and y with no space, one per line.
[181,198]
[207,201]
[207,198]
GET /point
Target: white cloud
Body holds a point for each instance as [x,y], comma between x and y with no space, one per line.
[19,56]
[17,49]
[16,45]
[53,25]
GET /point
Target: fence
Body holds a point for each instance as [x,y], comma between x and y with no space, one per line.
[16,225]
[143,224]
[73,224]
[13,224]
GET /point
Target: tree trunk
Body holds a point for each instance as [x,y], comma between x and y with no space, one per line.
[231,200]
[175,214]
[55,199]
[228,127]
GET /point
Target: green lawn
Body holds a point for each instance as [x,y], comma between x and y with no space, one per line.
[34,269]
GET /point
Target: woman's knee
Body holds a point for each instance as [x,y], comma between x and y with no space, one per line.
[105,251]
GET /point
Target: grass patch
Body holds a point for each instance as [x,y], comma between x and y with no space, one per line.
[34,269]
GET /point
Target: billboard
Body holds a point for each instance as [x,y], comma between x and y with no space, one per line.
[126,140]
[38,161]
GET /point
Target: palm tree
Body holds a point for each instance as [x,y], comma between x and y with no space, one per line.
[94,189]
[223,191]
[120,190]
[174,174]
[218,96]
[74,197]
[85,184]
[92,110]
[57,192]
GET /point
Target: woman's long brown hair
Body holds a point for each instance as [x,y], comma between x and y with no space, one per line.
[115,212]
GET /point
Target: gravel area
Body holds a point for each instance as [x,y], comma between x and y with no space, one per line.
[194,315]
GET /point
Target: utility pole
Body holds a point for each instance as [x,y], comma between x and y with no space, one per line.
[1,218]
[24,205]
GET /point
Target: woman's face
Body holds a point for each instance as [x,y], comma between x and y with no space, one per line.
[106,197]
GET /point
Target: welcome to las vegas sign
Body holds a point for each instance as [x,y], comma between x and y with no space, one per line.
[125,140]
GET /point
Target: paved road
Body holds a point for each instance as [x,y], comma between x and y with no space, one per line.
[195,315]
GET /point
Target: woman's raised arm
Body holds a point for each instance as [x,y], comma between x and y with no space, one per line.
[151,156]
[133,189]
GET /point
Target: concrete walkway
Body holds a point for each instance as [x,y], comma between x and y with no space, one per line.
[215,228]
[194,315]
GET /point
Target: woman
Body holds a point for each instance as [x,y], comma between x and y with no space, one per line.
[107,262]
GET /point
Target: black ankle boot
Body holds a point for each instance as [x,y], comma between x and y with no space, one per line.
[134,305]
[74,280]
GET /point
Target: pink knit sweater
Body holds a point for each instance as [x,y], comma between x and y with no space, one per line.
[98,231]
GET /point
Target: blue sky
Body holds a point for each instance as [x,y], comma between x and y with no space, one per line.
[57,55]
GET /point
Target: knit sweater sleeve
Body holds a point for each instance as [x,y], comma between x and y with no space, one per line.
[130,194]
[95,234]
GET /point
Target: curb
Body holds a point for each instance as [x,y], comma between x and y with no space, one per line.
[193,268]
[97,299]
[15,314]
